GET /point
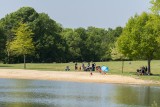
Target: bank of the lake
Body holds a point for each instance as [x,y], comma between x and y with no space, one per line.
[73,76]
[115,67]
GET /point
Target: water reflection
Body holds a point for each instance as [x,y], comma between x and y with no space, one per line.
[141,95]
[20,104]
[32,93]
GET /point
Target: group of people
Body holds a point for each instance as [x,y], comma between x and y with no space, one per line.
[89,67]
[85,68]
[142,71]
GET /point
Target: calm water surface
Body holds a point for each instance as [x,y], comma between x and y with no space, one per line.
[37,93]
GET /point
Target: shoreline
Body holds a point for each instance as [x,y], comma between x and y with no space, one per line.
[72,77]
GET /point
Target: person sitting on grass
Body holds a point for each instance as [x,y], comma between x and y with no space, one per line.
[67,68]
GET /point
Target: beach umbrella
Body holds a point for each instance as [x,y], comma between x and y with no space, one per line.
[104,68]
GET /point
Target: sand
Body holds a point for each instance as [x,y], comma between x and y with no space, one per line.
[71,76]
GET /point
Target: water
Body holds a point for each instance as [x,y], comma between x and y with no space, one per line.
[37,93]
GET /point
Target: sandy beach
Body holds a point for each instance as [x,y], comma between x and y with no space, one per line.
[71,76]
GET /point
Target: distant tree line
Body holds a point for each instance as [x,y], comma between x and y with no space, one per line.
[50,41]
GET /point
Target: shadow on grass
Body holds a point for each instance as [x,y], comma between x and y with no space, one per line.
[155,75]
[38,68]
[42,69]
[135,73]
[5,66]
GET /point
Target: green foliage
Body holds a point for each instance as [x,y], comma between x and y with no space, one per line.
[73,41]
[115,54]
[11,21]
[2,43]
[56,44]
[155,6]
[49,45]
[108,42]
[140,37]
[91,44]
[48,41]
[83,55]
[22,43]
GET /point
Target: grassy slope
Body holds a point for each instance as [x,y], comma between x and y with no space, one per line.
[115,67]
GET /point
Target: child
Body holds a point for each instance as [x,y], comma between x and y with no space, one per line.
[91,73]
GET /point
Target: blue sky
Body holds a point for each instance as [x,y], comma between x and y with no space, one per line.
[82,13]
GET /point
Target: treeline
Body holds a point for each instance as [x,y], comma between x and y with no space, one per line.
[53,43]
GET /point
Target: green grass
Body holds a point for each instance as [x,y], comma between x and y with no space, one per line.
[130,69]
[115,67]
[39,66]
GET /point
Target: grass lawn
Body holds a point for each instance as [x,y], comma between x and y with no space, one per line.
[115,67]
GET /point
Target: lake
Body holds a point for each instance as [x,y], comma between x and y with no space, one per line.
[41,93]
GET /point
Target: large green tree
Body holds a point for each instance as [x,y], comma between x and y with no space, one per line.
[82,43]
[22,43]
[94,43]
[140,38]
[48,42]
[73,41]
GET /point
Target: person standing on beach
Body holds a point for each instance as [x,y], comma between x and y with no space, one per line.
[76,66]
[93,66]
[83,67]
[88,64]
[91,73]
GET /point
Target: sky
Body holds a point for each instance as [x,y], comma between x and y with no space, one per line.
[82,13]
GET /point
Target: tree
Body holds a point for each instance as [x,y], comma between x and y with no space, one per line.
[82,43]
[94,43]
[49,44]
[109,38]
[140,38]
[22,43]
[73,41]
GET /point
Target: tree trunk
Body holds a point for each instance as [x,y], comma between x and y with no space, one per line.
[8,60]
[122,65]
[24,61]
[149,66]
